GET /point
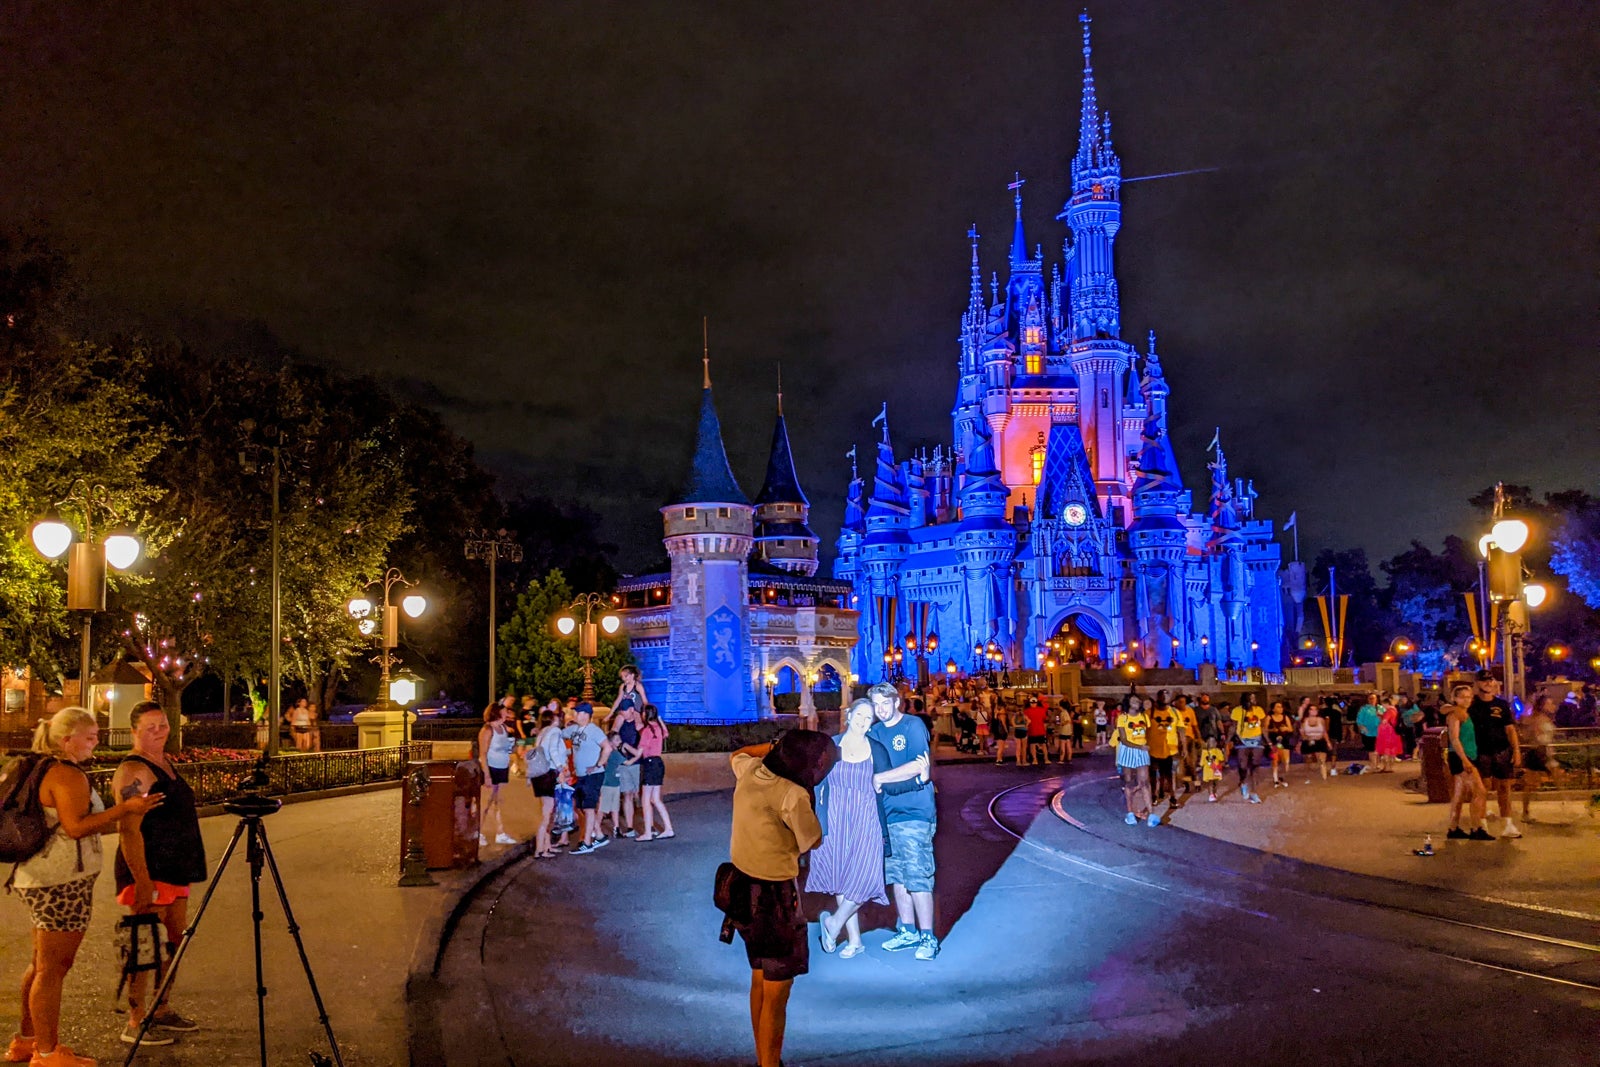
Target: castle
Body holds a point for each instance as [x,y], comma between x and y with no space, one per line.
[1058,524]
[737,617]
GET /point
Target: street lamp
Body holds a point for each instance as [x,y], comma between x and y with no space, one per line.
[1506,583]
[381,619]
[588,632]
[86,561]
[495,546]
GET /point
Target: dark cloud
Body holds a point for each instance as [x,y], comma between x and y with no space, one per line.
[1385,293]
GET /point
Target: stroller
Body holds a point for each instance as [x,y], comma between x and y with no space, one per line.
[966,730]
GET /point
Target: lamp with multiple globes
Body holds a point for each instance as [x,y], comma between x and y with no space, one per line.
[1503,579]
[588,631]
[381,618]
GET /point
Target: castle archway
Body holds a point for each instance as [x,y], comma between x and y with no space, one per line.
[1080,637]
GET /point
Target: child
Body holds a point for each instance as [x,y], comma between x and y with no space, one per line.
[610,785]
[1212,762]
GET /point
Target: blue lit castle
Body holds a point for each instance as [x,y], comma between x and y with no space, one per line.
[737,619]
[1111,559]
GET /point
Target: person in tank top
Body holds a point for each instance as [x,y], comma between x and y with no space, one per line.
[159,855]
[1463,751]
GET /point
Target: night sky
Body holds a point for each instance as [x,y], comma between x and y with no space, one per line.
[1386,294]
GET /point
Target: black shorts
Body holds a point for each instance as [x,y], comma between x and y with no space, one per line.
[499,775]
[1039,739]
[544,785]
[1533,759]
[1311,748]
[1497,765]
[1453,762]
[586,795]
[652,770]
[1369,743]
[1162,765]
[775,941]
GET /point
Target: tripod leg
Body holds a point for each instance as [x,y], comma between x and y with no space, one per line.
[300,945]
[258,840]
[183,946]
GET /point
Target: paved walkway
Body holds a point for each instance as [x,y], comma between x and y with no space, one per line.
[1370,823]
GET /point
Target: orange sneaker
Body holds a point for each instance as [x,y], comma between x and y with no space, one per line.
[20,1050]
[61,1057]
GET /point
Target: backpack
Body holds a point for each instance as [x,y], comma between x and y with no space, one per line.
[23,832]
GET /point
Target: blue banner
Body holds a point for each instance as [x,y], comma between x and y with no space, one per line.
[725,641]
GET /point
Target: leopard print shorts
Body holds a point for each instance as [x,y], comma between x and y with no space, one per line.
[61,908]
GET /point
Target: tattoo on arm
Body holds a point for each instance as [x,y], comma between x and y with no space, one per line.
[131,790]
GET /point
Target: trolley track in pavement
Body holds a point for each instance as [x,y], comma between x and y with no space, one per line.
[1588,952]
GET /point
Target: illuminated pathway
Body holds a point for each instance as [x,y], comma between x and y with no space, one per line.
[1100,944]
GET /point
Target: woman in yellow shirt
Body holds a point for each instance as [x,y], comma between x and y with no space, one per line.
[1133,761]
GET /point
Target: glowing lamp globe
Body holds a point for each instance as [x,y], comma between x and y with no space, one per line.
[1510,535]
[610,623]
[950,667]
[1485,543]
[414,605]
[367,627]
[402,690]
[359,608]
[51,538]
[566,624]
[122,550]
[1534,594]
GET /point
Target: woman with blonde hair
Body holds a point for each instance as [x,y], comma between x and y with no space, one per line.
[57,882]
[495,742]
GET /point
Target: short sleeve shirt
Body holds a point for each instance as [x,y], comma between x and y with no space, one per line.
[1248,724]
[1163,733]
[773,822]
[1489,721]
[586,744]
[1036,720]
[1191,725]
[905,741]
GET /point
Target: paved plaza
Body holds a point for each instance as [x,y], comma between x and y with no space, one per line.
[1063,943]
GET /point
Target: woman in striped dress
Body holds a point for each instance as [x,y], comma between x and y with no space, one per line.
[849,862]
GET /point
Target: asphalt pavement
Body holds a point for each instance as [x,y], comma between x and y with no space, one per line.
[1065,942]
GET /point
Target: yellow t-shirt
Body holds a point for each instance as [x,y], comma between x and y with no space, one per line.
[1212,761]
[1163,733]
[1247,722]
[1136,728]
[773,822]
[1191,725]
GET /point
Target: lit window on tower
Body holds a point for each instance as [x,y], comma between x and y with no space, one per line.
[1037,455]
[1035,363]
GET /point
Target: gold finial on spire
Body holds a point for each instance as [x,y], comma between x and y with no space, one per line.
[705,352]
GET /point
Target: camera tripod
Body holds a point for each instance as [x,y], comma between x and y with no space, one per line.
[251,809]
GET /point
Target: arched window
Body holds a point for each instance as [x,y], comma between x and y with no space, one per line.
[1037,455]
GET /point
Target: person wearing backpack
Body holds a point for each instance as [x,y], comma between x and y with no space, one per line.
[56,881]
[544,762]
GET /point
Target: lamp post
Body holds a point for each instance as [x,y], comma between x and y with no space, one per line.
[386,625]
[1508,586]
[87,561]
[588,632]
[249,463]
[492,546]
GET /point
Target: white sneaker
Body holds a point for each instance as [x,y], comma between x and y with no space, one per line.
[482,841]
[1510,830]
[504,839]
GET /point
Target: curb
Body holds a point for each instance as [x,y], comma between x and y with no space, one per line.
[422,975]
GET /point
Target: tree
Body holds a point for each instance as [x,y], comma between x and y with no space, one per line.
[1367,624]
[534,660]
[1424,598]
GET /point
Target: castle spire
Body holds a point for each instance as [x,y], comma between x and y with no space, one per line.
[975,296]
[711,478]
[1019,242]
[782,485]
[1089,115]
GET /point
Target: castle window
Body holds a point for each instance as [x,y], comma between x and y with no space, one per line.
[1037,455]
[723,513]
[1035,363]
[688,513]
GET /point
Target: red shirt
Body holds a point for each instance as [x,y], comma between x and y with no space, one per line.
[1036,715]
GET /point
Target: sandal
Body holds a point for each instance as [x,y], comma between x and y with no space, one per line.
[666,835]
[848,951]
[647,837]
[829,944]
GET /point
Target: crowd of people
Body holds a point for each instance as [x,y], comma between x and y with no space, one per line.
[582,767]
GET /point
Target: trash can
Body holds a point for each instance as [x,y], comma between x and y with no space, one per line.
[447,816]
[1435,773]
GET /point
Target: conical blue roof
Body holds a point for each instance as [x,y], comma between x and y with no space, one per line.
[782,485]
[711,479]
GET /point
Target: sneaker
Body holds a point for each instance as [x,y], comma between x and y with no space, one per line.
[1480,834]
[167,1019]
[61,1057]
[482,841]
[1510,830]
[1457,834]
[1255,798]
[1153,820]
[1211,798]
[20,1050]
[927,948]
[130,1034]
[903,938]
[1130,818]
[630,833]
[602,841]
[583,850]
[504,839]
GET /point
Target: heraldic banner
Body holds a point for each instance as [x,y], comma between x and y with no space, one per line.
[725,640]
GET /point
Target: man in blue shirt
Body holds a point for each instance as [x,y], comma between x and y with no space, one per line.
[911,819]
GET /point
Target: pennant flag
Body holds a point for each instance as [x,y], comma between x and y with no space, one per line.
[1294,516]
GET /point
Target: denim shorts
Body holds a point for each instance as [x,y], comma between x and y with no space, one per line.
[910,862]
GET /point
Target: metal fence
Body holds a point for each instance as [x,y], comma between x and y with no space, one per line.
[300,772]
[1578,758]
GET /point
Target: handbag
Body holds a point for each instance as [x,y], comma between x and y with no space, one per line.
[566,818]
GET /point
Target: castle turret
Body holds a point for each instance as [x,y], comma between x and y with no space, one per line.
[1094,213]
[709,533]
[783,537]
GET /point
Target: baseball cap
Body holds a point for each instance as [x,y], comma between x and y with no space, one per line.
[1485,676]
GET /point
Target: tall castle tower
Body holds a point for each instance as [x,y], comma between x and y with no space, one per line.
[709,533]
[782,537]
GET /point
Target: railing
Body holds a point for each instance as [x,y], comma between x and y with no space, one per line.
[301,772]
[1579,760]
